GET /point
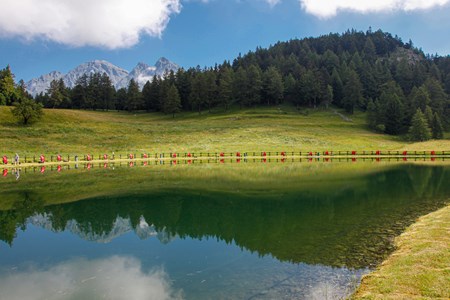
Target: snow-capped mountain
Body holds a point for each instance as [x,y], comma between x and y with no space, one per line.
[97,66]
[119,77]
[41,84]
[143,72]
[120,227]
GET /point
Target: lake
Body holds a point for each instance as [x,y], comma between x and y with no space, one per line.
[220,229]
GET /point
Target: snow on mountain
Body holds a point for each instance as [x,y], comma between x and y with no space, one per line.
[143,72]
[41,84]
[97,66]
[119,77]
[120,227]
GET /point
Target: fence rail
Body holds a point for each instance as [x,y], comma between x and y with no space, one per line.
[73,158]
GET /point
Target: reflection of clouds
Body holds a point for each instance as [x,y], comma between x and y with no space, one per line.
[112,278]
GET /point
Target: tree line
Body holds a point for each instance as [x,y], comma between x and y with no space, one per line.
[369,71]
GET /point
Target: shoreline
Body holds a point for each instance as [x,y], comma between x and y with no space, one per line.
[419,267]
[325,158]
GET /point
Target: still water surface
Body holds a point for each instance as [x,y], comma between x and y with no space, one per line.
[207,231]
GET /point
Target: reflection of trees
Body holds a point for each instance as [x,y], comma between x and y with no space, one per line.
[350,227]
[28,205]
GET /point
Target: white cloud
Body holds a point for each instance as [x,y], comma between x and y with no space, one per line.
[102,23]
[111,278]
[329,8]
[272,3]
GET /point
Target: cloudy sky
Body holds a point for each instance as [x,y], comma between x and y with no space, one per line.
[37,37]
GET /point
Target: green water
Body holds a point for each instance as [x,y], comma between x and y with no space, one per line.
[207,231]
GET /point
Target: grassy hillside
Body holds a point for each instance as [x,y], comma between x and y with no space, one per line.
[261,129]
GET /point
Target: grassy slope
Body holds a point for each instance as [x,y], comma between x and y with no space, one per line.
[419,268]
[259,129]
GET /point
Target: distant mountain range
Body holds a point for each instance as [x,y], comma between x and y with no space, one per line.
[120,227]
[119,77]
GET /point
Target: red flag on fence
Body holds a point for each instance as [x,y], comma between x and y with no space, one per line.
[5,159]
[58,157]
[42,158]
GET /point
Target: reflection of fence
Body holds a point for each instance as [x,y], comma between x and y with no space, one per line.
[174,161]
[60,159]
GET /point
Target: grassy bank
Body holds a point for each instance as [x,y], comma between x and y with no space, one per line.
[419,268]
[259,129]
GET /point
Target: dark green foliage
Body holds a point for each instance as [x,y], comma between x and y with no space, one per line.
[254,86]
[172,103]
[134,97]
[121,99]
[338,87]
[27,110]
[371,114]
[272,86]
[393,114]
[56,94]
[225,87]
[419,130]
[352,92]
[436,127]
[7,87]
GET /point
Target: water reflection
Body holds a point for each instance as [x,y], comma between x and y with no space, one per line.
[331,220]
[114,277]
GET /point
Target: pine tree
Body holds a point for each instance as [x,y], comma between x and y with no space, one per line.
[338,87]
[272,86]
[419,130]
[393,114]
[134,96]
[371,114]
[210,89]
[107,92]
[225,88]
[428,114]
[437,128]
[240,83]
[254,86]
[352,92]
[55,96]
[290,88]
[7,88]
[172,102]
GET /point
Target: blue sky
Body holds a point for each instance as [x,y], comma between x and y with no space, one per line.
[195,32]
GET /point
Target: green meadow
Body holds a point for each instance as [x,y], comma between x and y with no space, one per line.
[281,128]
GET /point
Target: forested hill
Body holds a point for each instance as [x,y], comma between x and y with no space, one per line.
[369,71]
[395,82]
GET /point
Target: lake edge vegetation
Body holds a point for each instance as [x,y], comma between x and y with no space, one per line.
[419,266]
